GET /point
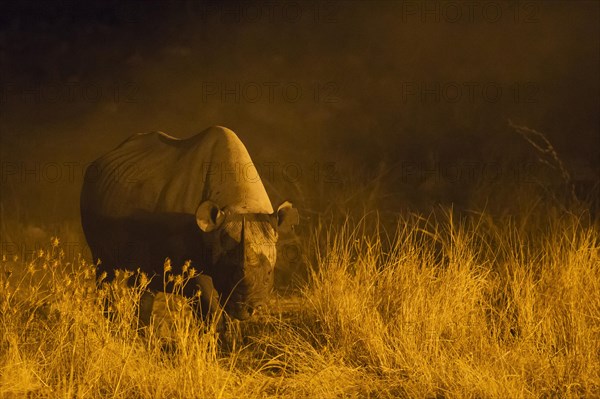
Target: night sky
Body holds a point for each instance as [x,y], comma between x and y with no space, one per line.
[325,95]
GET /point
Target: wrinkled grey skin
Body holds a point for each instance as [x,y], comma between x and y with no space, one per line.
[197,199]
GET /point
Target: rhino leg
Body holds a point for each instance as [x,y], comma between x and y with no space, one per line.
[209,302]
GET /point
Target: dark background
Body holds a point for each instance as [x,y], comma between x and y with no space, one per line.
[396,104]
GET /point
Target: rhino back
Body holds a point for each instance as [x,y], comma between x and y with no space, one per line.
[154,172]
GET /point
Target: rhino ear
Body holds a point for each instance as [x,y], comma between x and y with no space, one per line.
[209,216]
[287,217]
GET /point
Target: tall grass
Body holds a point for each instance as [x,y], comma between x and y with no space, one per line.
[496,315]
[438,306]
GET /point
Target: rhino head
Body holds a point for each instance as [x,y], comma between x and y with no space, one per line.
[243,253]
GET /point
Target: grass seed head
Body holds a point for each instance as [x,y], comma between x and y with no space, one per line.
[178,280]
[143,279]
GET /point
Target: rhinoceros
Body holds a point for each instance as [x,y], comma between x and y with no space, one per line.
[200,199]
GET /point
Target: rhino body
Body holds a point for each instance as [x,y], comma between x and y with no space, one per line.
[198,199]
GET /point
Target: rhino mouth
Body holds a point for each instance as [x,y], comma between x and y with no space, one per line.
[245,300]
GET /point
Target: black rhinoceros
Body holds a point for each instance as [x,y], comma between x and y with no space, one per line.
[198,199]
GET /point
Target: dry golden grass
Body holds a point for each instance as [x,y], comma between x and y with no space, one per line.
[450,307]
